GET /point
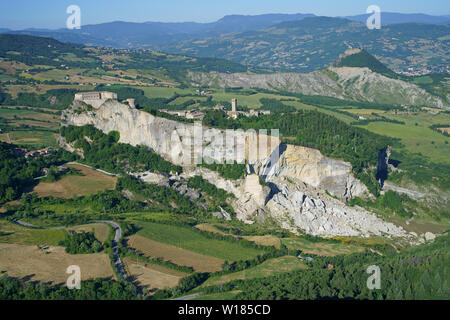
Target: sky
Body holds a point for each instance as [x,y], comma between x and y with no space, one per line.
[21,14]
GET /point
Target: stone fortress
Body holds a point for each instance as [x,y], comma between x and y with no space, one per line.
[96,99]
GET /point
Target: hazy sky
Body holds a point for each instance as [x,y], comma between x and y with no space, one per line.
[19,14]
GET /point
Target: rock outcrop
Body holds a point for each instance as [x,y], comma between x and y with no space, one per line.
[297,206]
[349,83]
[180,143]
[301,164]
[297,180]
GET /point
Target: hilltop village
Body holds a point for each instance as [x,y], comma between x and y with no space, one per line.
[96,99]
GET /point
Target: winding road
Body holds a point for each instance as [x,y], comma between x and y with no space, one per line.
[190,297]
[117,261]
[83,165]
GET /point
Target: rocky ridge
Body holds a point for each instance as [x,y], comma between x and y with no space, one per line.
[293,195]
[348,83]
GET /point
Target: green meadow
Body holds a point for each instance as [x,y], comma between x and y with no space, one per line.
[190,239]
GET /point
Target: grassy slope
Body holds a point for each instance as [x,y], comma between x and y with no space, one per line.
[91,182]
[189,239]
[417,138]
[268,268]
[15,234]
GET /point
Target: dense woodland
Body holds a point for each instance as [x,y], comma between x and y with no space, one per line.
[228,171]
[365,59]
[418,273]
[161,198]
[274,106]
[18,173]
[314,129]
[81,243]
[217,197]
[44,51]
[99,289]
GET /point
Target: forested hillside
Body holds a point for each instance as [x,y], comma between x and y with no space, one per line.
[419,273]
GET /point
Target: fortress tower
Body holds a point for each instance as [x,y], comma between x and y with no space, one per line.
[234,105]
[234,113]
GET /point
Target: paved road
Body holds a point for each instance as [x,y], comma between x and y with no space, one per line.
[117,261]
[86,166]
[24,224]
[192,296]
[99,170]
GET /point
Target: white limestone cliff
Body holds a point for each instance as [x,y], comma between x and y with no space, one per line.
[299,179]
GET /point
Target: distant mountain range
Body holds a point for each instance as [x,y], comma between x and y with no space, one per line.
[153,34]
[314,43]
[282,42]
[396,18]
[150,34]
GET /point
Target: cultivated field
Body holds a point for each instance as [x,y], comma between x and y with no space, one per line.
[32,128]
[91,182]
[150,276]
[266,269]
[31,139]
[268,240]
[210,228]
[14,234]
[199,262]
[101,231]
[416,139]
[162,92]
[320,248]
[190,239]
[416,134]
[50,265]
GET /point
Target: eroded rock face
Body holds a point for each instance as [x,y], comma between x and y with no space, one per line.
[297,206]
[308,165]
[296,199]
[177,142]
[359,84]
[173,141]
